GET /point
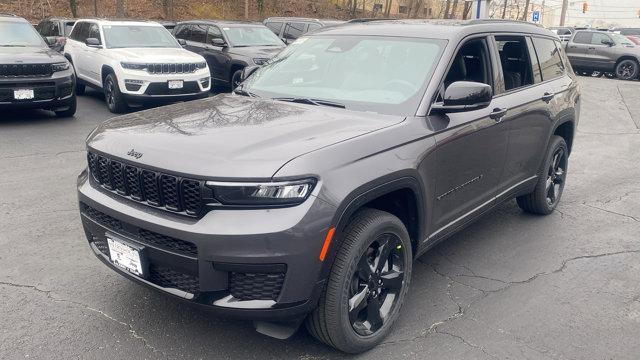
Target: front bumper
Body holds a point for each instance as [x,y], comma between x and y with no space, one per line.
[141,85]
[51,92]
[257,264]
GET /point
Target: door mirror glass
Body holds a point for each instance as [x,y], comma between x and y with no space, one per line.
[92,42]
[218,42]
[465,96]
[182,42]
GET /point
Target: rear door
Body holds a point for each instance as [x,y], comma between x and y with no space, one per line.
[577,49]
[75,47]
[217,58]
[292,31]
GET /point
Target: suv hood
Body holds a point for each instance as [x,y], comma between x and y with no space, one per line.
[155,55]
[229,136]
[29,55]
[263,52]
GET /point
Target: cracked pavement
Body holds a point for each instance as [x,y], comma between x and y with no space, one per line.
[510,286]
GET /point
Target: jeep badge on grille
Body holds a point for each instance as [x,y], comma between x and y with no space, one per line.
[134,154]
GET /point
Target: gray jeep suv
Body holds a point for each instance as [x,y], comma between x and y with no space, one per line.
[310,190]
[592,50]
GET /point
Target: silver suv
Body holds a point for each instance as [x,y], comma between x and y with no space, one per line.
[591,50]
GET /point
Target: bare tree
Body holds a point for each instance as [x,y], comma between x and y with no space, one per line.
[387,8]
[467,9]
[526,10]
[453,9]
[120,8]
[73,6]
[446,9]
[504,9]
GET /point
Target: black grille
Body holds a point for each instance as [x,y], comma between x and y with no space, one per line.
[172,68]
[25,70]
[168,278]
[167,242]
[153,188]
[143,236]
[255,286]
[189,87]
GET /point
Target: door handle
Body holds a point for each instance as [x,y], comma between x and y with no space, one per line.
[498,113]
[548,96]
[591,48]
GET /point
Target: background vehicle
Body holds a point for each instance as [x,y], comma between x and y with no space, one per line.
[564,33]
[312,188]
[134,62]
[31,74]
[628,31]
[229,46]
[590,50]
[169,25]
[56,31]
[634,39]
[288,29]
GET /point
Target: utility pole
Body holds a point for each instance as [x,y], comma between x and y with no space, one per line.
[95,8]
[563,13]
[246,9]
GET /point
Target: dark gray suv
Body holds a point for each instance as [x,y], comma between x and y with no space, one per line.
[592,50]
[310,191]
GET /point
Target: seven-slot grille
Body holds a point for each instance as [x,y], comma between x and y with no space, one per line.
[25,70]
[172,68]
[153,188]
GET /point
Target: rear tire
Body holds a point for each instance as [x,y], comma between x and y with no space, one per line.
[70,111]
[551,179]
[627,69]
[80,88]
[113,96]
[370,275]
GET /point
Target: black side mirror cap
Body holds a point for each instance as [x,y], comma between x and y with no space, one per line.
[464,96]
[92,42]
[218,42]
[608,42]
[182,42]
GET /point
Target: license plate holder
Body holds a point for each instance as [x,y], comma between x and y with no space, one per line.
[127,256]
[175,84]
[23,94]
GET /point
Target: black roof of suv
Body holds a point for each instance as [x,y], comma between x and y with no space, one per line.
[310,190]
[31,74]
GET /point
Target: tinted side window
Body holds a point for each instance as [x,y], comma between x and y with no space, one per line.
[79,32]
[181,32]
[54,29]
[582,37]
[213,33]
[293,31]
[94,32]
[549,57]
[535,65]
[471,63]
[599,37]
[314,27]
[198,33]
[67,28]
[275,27]
[515,60]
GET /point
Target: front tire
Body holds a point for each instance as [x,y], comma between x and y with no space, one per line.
[113,96]
[367,284]
[546,195]
[236,79]
[627,69]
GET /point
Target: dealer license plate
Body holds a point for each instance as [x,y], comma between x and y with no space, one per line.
[176,84]
[23,94]
[125,256]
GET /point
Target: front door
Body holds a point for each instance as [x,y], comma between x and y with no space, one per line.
[470,146]
[217,59]
[577,49]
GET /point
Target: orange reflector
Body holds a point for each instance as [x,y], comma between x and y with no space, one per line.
[325,246]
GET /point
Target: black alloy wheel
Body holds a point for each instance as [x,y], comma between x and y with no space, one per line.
[627,70]
[376,284]
[556,176]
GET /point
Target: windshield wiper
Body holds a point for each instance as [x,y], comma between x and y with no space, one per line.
[316,102]
[11,45]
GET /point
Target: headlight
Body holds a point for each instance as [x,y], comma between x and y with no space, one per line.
[201,65]
[260,61]
[61,66]
[285,193]
[133,66]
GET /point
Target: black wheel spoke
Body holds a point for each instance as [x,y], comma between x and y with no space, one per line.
[358,302]
[364,268]
[373,314]
[392,280]
[384,250]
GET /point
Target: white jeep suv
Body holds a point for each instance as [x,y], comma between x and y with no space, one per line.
[134,62]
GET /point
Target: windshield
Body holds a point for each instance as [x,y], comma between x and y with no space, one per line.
[138,36]
[19,34]
[622,40]
[387,75]
[251,36]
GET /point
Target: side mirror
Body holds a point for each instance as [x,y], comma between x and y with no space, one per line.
[92,42]
[247,71]
[608,42]
[218,42]
[182,42]
[464,96]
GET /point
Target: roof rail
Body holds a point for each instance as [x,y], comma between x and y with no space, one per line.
[363,20]
[501,21]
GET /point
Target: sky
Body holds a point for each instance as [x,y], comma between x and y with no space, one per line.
[623,12]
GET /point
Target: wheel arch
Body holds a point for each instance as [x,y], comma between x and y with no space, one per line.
[566,130]
[400,194]
[104,71]
[235,66]
[626,57]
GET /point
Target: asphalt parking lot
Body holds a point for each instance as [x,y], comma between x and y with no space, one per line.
[511,286]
